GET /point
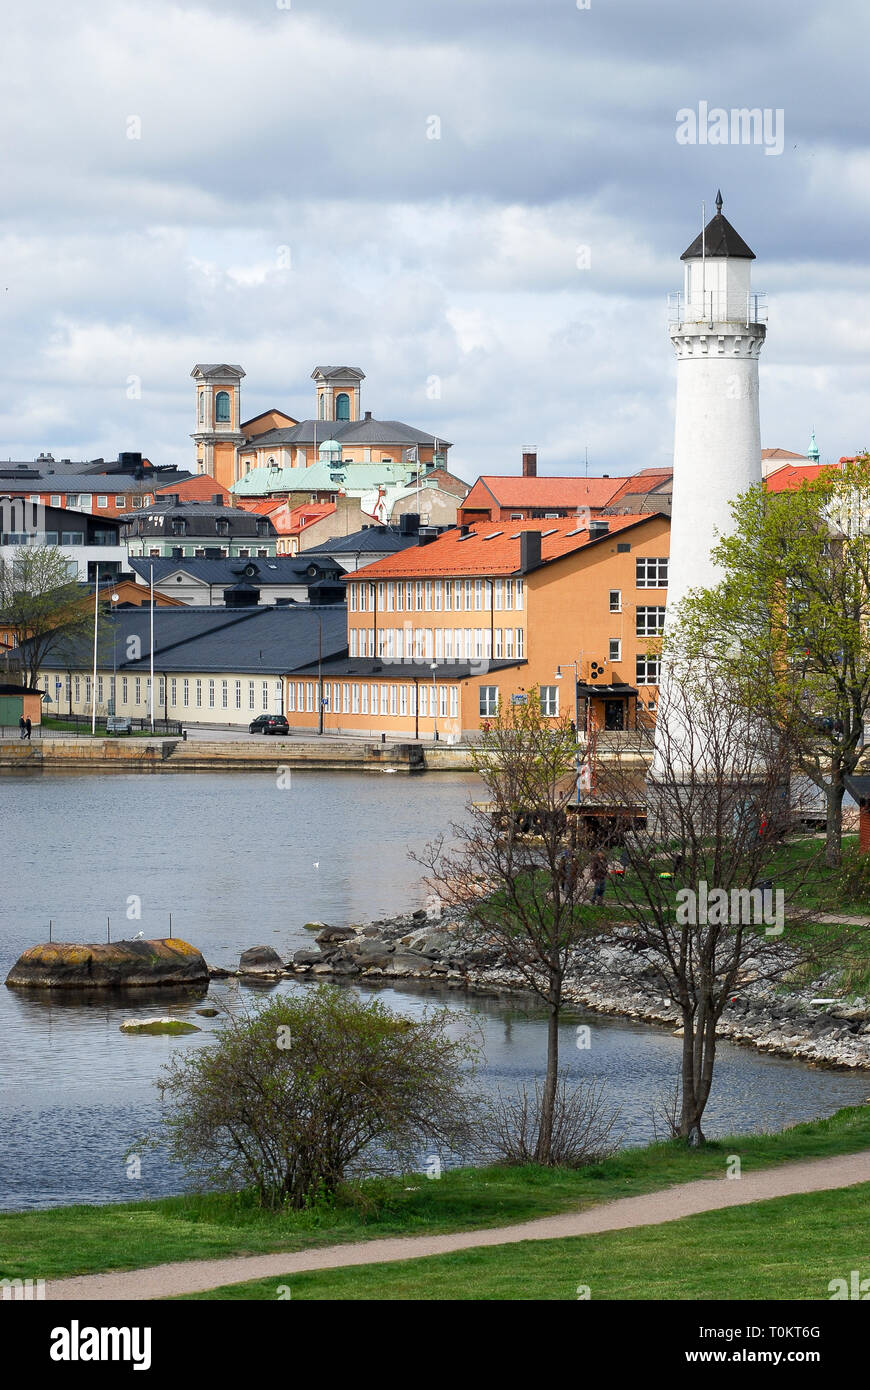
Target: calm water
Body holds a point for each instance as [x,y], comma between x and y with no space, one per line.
[239,862]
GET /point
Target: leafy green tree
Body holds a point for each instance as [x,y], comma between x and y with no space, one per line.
[41,605]
[792,611]
[314,1087]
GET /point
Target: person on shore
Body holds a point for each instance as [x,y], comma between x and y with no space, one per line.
[567,875]
[598,874]
[22,728]
[29,727]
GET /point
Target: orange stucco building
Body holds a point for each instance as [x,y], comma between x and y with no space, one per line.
[443,634]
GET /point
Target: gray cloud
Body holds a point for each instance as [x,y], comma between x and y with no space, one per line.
[264,127]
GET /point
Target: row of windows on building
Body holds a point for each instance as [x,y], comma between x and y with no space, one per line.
[56,538]
[470,644]
[84,500]
[436,595]
[439,643]
[198,551]
[184,692]
[180,692]
[360,697]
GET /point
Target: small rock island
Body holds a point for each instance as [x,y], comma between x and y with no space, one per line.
[115,965]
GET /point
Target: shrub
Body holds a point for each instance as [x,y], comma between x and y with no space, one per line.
[310,1088]
[583,1125]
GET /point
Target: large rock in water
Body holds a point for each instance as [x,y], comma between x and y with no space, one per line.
[119,965]
[260,960]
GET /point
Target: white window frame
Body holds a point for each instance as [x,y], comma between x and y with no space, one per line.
[549,696]
[487,701]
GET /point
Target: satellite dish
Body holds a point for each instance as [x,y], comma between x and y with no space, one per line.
[115,597]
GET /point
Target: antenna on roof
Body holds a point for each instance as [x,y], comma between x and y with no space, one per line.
[703,253]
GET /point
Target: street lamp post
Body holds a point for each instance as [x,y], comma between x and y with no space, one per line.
[320,672]
[575,667]
[434,703]
[114,708]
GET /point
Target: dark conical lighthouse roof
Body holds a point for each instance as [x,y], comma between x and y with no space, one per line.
[719,238]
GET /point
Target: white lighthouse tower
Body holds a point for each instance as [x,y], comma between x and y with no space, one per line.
[717,337]
[717,334]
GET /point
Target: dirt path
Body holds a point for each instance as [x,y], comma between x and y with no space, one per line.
[686,1199]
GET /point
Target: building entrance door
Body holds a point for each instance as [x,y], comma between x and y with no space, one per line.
[614,714]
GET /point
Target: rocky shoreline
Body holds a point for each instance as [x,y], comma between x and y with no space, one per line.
[604,976]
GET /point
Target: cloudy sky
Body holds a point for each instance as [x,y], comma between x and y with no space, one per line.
[481,203]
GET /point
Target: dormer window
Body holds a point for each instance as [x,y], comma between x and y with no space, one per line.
[179,527]
[222,526]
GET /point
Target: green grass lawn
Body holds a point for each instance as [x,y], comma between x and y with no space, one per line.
[809,886]
[87,1239]
[785,1248]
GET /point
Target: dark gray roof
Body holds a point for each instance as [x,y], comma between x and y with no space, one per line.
[190,508]
[718,239]
[337,371]
[90,482]
[208,368]
[382,668]
[263,640]
[201,519]
[347,432]
[372,538]
[280,569]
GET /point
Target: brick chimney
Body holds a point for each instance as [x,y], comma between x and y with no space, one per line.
[530,461]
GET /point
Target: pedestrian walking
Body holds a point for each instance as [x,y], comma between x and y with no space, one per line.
[22,728]
[29,727]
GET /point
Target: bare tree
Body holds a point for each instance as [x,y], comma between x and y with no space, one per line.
[708,882]
[519,872]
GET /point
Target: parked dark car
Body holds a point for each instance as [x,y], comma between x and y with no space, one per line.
[269,724]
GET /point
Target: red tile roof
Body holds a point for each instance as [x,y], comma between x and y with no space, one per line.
[491,548]
[790,476]
[512,491]
[304,515]
[261,505]
[645,481]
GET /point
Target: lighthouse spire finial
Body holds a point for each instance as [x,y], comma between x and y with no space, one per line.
[719,201]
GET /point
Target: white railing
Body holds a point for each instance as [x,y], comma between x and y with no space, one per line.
[715,308]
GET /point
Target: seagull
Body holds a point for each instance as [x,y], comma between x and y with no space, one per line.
[317,863]
[138,936]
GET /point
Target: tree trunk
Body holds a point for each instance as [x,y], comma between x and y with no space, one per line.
[545,1130]
[699,1057]
[690,1111]
[834,825]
